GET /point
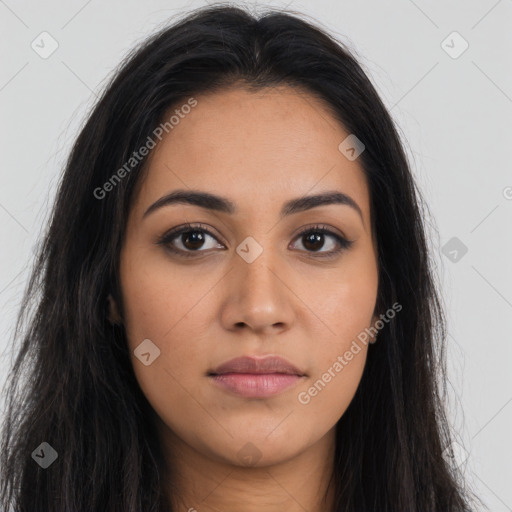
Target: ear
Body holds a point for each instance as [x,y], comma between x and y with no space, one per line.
[373,337]
[113,315]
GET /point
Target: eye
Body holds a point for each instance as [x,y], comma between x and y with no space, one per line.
[188,239]
[313,238]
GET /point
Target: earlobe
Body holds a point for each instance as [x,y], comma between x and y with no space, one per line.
[113,315]
[373,337]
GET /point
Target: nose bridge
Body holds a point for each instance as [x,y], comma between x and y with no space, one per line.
[257,267]
[258,296]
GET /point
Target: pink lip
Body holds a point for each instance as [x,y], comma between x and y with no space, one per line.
[256,377]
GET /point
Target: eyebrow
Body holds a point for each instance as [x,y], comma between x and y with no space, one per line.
[223,205]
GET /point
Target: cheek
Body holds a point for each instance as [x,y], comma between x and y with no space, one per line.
[329,392]
[344,303]
[160,302]
[170,309]
[346,306]
[340,352]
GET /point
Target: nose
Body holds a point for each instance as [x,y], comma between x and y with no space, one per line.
[258,297]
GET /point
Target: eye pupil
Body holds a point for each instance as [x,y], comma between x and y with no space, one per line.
[312,239]
[196,238]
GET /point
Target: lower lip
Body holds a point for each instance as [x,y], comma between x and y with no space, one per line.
[256,385]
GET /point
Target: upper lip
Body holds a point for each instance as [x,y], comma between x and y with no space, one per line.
[267,364]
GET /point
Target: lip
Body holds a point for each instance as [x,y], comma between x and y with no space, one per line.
[256,365]
[256,377]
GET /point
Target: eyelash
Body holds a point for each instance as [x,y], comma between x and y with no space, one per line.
[168,237]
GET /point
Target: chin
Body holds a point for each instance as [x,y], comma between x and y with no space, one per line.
[257,450]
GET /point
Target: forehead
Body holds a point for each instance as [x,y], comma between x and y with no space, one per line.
[258,148]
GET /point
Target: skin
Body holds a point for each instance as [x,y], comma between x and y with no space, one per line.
[259,150]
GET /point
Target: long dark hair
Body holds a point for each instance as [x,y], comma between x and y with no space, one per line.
[72,384]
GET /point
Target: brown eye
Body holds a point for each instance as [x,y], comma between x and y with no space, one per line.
[192,240]
[186,240]
[313,241]
[317,238]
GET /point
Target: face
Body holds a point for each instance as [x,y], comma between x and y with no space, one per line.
[253,277]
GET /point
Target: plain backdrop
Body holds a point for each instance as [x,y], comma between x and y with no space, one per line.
[444,71]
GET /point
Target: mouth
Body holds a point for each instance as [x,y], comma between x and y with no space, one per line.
[252,377]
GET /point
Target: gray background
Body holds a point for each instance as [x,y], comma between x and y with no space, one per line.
[453,110]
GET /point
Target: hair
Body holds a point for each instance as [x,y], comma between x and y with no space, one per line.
[72,383]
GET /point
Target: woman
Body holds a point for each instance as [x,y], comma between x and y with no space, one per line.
[236,308]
